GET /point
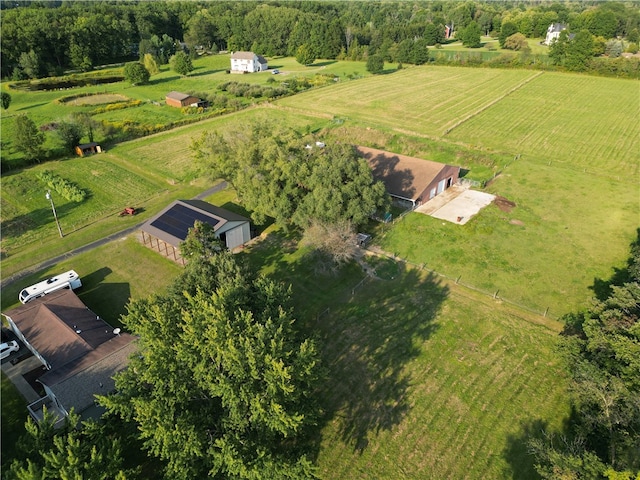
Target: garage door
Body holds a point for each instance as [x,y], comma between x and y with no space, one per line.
[441,185]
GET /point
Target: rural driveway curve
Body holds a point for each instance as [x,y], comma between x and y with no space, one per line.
[97,243]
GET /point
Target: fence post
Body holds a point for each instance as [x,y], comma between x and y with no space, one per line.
[458,279]
[495,295]
[545,312]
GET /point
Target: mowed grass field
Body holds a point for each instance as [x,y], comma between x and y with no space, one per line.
[426,379]
[575,184]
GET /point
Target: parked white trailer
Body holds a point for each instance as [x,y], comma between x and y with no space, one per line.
[68,279]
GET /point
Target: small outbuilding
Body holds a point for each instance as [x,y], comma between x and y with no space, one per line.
[167,230]
[85,149]
[248,62]
[177,99]
[409,179]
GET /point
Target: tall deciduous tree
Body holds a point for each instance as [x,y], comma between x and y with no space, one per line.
[28,139]
[470,35]
[136,73]
[375,64]
[305,55]
[276,176]
[222,384]
[70,133]
[507,29]
[181,63]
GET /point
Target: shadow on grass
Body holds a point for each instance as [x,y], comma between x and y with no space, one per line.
[517,452]
[368,342]
[367,330]
[108,300]
[602,288]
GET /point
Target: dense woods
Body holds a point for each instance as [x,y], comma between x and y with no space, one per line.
[48,38]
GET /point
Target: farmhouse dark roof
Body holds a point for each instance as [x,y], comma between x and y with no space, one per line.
[177,96]
[76,383]
[88,145]
[60,327]
[402,175]
[243,55]
[261,59]
[172,224]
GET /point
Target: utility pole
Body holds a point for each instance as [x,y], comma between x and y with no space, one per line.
[48,195]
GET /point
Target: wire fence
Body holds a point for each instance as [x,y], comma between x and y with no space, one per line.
[495,295]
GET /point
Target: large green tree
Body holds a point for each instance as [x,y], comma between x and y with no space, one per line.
[276,176]
[181,63]
[72,451]
[6,100]
[28,139]
[136,73]
[470,35]
[223,384]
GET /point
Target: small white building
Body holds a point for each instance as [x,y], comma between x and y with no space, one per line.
[553,32]
[248,62]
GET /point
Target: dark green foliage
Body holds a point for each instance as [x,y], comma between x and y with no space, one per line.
[6,100]
[28,139]
[181,63]
[73,451]
[375,64]
[69,132]
[136,73]
[470,35]
[276,176]
[508,29]
[223,384]
[64,187]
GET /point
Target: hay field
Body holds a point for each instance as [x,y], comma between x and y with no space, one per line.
[583,121]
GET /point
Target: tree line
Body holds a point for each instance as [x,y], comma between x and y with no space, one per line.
[600,347]
[47,38]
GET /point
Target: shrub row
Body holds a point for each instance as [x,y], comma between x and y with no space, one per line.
[116,106]
[64,187]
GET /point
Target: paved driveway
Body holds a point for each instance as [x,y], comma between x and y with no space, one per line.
[456,204]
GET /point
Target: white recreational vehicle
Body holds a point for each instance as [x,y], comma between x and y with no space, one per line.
[68,279]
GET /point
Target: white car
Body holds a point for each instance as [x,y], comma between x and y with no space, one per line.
[7,348]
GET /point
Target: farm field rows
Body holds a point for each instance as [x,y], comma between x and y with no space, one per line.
[574,119]
[583,122]
[426,100]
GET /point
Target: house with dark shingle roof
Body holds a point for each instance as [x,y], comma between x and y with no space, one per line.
[409,179]
[248,62]
[79,351]
[169,228]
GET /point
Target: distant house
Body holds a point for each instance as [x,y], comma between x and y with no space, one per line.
[448,31]
[177,99]
[167,230]
[553,32]
[88,149]
[79,350]
[248,62]
[409,179]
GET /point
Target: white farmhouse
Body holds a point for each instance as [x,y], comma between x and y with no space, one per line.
[247,62]
[553,32]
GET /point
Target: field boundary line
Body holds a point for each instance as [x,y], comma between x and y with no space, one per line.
[493,102]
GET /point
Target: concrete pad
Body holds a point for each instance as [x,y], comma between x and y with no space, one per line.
[460,209]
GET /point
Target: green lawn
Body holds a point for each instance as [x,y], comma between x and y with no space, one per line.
[14,415]
[426,379]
